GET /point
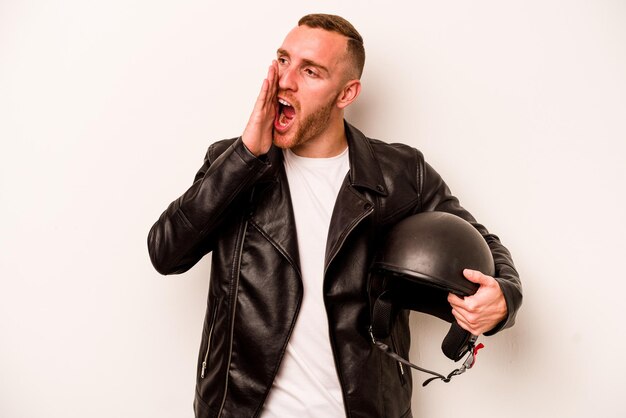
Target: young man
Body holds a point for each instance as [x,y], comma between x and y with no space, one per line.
[292,212]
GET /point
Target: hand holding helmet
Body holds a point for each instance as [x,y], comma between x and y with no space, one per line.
[483,310]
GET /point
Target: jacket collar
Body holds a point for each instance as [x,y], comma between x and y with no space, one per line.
[365,171]
[364,168]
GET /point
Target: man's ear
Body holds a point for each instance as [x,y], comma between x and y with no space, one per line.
[349,93]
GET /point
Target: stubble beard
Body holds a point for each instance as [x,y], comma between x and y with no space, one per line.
[309,128]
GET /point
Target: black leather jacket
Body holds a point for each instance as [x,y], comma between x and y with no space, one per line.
[239,209]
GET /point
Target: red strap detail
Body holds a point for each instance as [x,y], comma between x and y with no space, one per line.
[478,347]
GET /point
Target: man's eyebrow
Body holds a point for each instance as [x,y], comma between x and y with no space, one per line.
[281,51]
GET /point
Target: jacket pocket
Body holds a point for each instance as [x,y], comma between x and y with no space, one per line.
[211,326]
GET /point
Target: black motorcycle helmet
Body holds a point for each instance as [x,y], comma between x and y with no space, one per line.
[422,260]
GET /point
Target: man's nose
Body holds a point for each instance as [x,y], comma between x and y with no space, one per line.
[287,79]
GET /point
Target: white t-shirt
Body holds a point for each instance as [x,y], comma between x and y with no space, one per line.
[307,384]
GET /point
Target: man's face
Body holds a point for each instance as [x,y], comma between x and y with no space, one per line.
[312,68]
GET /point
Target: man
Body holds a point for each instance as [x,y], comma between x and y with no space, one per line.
[292,212]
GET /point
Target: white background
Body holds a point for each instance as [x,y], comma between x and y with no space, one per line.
[106,110]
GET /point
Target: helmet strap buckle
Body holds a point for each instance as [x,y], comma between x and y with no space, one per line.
[468,363]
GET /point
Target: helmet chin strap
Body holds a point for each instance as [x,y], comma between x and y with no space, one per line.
[469,362]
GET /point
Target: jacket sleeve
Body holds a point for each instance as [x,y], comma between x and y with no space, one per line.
[187,230]
[436,196]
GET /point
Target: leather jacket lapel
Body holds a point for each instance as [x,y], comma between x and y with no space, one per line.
[273,213]
[351,208]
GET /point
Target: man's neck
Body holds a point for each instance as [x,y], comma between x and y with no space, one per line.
[331,143]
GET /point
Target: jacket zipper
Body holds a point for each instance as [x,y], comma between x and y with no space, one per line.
[234,302]
[209,338]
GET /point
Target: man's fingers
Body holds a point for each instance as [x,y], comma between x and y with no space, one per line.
[257,135]
[260,100]
[463,323]
[271,73]
[482,311]
[476,276]
[265,92]
[265,105]
[269,90]
[454,300]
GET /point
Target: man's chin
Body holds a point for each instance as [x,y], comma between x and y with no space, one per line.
[284,141]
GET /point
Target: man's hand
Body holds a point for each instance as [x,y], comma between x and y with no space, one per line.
[258,134]
[483,310]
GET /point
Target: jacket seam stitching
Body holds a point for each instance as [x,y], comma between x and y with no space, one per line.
[419,178]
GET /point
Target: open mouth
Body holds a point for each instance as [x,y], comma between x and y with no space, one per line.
[285,115]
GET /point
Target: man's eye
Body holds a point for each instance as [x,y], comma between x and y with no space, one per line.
[281,60]
[310,72]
